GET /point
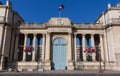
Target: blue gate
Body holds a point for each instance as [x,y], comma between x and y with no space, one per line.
[59,54]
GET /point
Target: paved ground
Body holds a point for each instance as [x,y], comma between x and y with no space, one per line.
[62,73]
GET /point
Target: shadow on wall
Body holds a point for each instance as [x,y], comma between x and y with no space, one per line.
[0,54]
[53,66]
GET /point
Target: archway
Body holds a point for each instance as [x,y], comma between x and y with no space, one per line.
[59,54]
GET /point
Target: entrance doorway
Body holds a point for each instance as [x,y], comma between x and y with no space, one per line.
[59,54]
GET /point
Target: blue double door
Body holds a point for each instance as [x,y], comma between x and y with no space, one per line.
[59,54]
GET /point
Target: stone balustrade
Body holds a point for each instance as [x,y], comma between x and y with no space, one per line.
[91,25]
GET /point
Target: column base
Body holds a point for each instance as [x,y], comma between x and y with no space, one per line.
[47,65]
[84,57]
[0,68]
[27,65]
[93,56]
[23,60]
[70,65]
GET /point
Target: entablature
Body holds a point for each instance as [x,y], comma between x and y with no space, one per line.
[59,30]
[88,26]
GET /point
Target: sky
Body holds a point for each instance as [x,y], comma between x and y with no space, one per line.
[78,11]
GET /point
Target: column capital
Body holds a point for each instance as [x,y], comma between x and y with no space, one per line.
[5,27]
[2,25]
[34,33]
[44,34]
[83,34]
[69,32]
[75,34]
[48,32]
[101,34]
[92,34]
[25,34]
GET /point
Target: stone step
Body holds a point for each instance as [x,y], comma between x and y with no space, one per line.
[59,74]
[62,73]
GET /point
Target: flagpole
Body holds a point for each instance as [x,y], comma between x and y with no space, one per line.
[60,8]
[59,12]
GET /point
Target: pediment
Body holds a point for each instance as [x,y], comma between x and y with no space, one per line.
[59,22]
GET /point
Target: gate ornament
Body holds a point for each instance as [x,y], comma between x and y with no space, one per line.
[89,50]
[28,49]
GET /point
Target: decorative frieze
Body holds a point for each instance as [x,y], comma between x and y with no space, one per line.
[59,30]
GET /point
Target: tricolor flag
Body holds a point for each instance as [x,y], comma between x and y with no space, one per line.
[61,7]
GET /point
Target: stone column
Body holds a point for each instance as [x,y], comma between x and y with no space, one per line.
[84,47]
[34,46]
[25,44]
[16,48]
[101,47]
[47,65]
[3,48]
[106,47]
[75,47]
[2,29]
[47,53]
[69,49]
[69,53]
[93,46]
[43,47]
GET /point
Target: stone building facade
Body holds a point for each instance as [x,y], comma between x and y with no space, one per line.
[59,44]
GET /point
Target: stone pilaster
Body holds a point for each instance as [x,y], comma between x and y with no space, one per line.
[47,53]
[101,47]
[1,37]
[34,46]
[69,47]
[69,53]
[93,46]
[43,47]
[16,47]
[75,46]
[25,44]
[106,47]
[3,49]
[84,47]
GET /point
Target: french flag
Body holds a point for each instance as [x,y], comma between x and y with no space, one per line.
[61,7]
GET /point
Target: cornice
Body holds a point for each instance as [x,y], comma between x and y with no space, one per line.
[111,25]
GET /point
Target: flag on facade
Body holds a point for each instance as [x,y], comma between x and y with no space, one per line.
[61,7]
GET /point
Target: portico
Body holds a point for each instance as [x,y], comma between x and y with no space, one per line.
[55,46]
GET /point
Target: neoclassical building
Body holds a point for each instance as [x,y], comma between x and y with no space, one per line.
[59,44]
